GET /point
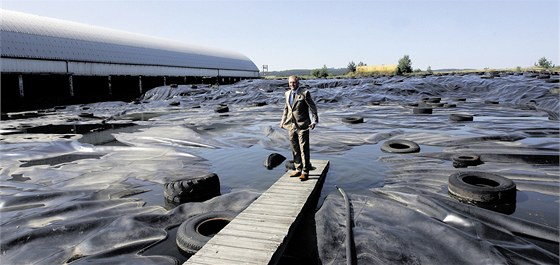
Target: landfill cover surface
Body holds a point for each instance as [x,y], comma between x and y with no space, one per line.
[84,183]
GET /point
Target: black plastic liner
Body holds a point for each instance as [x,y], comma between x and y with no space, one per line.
[96,195]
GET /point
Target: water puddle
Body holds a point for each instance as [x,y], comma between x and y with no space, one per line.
[88,190]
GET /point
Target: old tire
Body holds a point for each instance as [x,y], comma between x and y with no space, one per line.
[460,117]
[222,109]
[463,160]
[421,110]
[196,231]
[400,146]
[482,187]
[353,120]
[85,115]
[433,100]
[192,189]
[435,105]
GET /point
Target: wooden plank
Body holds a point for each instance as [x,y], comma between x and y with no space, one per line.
[253,234]
[233,253]
[264,225]
[259,234]
[283,208]
[288,192]
[242,225]
[285,201]
[266,216]
[249,243]
[256,214]
[282,212]
[209,260]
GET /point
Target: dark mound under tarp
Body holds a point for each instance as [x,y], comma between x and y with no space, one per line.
[74,192]
[90,229]
[405,226]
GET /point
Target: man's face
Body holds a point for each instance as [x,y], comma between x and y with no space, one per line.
[293,83]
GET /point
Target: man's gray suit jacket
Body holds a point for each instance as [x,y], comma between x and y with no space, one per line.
[296,115]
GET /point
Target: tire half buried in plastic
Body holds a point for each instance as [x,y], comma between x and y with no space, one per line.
[353,120]
[465,160]
[196,231]
[482,187]
[400,146]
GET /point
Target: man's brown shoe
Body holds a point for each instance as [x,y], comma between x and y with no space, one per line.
[304,176]
[295,174]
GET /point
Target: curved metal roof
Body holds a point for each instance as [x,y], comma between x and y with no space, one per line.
[35,37]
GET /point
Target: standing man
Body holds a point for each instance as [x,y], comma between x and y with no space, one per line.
[296,119]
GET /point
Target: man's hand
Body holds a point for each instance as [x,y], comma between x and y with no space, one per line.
[312,126]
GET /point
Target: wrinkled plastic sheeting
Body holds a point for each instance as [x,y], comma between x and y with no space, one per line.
[515,90]
[83,226]
[404,226]
[247,92]
[65,200]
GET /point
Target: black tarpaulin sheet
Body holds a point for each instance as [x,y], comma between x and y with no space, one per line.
[403,226]
[97,197]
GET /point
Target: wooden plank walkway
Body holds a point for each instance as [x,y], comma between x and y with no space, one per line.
[259,234]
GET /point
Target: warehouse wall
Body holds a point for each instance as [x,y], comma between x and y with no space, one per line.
[47,62]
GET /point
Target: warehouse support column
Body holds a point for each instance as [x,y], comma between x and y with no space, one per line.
[110,86]
[140,84]
[71,85]
[20,82]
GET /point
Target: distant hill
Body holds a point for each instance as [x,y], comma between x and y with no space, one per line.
[453,70]
[303,72]
[337,72]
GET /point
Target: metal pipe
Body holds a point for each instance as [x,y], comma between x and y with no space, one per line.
[349,235]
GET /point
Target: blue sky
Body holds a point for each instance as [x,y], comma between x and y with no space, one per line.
[309,34]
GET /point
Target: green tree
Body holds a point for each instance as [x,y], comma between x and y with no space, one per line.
[324,71]
[362,64]
[351,67]
[429,70]
[405,65]
[316,73]
[544,63]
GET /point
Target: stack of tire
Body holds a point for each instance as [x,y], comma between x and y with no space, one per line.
[197,230]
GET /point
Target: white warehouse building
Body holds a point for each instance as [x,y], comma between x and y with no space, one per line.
[67,61]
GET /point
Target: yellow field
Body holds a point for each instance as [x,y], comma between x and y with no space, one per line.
[377,69]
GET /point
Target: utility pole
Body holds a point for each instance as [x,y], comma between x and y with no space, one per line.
[265,69]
